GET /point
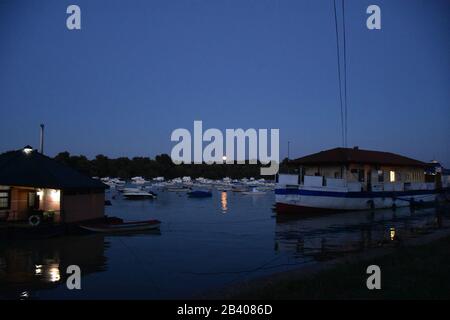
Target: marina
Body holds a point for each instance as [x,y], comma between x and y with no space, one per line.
[185,237]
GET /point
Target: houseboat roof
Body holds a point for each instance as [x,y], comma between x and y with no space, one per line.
[28,168]
[356,155]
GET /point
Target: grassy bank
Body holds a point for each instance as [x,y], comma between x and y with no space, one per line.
[419,272]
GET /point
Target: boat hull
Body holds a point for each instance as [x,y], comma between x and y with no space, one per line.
[254,193]
[138,196]
[123,227]
[311,201]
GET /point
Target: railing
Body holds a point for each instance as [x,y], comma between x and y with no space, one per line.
[292,180]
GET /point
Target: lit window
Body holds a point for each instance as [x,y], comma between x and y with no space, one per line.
[55,195]
[392,176]
[4,200]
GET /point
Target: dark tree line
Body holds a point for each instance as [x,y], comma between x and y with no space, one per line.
[162,165]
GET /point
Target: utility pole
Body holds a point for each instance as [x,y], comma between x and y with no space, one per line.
[41,147]
[289,144]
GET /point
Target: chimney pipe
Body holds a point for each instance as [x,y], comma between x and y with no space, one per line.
[41,149]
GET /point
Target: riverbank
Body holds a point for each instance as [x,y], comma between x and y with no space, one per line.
[417,269]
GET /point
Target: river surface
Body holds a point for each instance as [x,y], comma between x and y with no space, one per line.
[203,244]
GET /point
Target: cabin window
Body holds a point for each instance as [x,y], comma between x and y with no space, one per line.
[361,175]
[392,176]
[380,176]
[4,200]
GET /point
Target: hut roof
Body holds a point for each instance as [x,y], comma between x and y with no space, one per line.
[29,168]
[356,155]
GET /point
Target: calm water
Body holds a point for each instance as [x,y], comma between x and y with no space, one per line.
[203,244]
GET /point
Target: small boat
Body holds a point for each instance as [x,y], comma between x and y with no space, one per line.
[123,226]
[125,190]
[254,192]
[239,188]
[200,194]
[178,189]
[223,189]
[136,195]
[138,180]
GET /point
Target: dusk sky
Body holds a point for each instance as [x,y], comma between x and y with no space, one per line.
[137,70]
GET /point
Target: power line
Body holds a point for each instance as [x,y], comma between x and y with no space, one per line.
[339,71]
[345,74]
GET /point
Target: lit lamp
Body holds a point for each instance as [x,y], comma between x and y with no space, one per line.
[224,158]
[27,149]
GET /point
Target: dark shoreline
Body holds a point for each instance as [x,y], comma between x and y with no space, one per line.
[417,268]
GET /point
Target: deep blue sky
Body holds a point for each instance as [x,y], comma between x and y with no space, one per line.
[139,69]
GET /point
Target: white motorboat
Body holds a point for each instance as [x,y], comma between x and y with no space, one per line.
[136,194]
[254,192]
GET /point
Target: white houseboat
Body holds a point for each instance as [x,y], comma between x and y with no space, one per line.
[355,179]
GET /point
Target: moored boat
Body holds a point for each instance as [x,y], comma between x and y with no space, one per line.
[123,226]
[178,189]
[239,188]
[137,194]
[254,192]
[344,179]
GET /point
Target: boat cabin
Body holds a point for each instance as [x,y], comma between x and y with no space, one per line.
[357,170]
[32,184]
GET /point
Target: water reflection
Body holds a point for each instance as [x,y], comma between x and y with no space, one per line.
[224,201]
[328,236]
[392,234]
[53,274]
[34,265]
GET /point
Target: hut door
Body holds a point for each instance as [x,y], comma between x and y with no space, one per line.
[33,201]
[369,180]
